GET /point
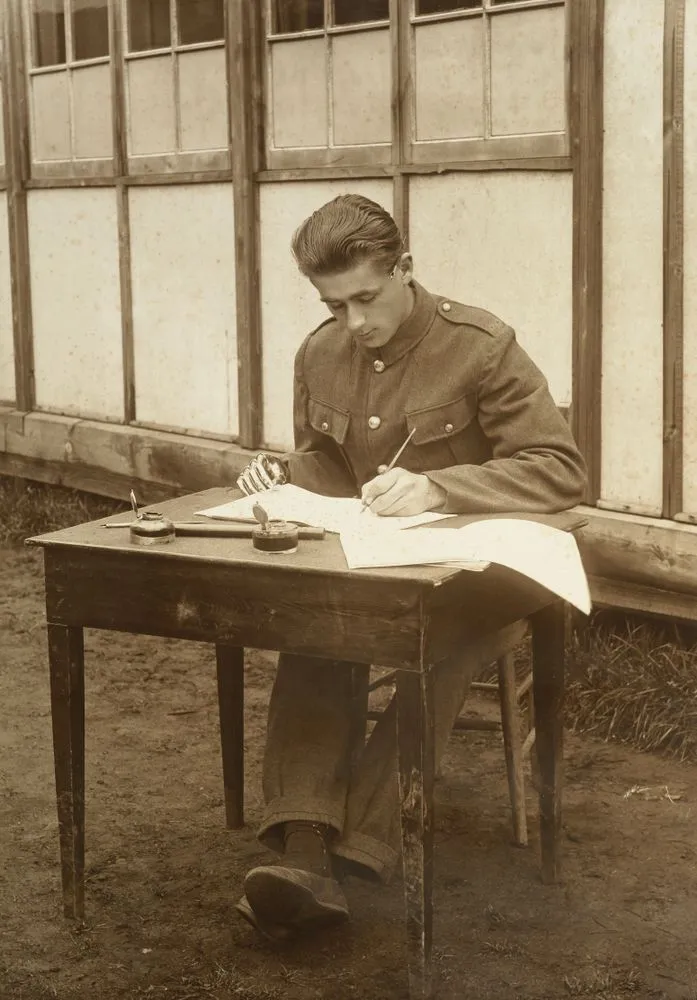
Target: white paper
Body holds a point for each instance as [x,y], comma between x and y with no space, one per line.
[292,503]
[544,554]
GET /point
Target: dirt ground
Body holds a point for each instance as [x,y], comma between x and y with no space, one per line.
[164,873]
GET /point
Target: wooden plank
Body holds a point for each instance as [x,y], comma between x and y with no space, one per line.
[399,40]
[230,675]
[586,129]
[17,157]
[416,745]
[673,230]
[67,669]
[647,600]
[244,34]
[510,723]
[118,90]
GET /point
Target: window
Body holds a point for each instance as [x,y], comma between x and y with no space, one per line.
[328,82]
[176,94]
[70,88]
[488,80]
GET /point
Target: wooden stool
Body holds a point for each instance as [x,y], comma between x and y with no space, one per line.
[515,749]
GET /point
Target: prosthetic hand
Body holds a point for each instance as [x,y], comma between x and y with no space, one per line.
[261,474]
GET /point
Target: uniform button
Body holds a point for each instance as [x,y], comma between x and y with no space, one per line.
[381,469]
[445,306]
[325,425]
[374,423]
[379,366]
[449,428]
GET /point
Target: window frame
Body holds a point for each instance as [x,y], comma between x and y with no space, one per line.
[82,167]
[422,152]
[176,161]
[364,154]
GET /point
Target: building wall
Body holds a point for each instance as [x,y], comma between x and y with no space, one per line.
[7,362]
[690,304]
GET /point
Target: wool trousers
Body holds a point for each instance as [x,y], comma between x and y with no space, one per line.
[319,767]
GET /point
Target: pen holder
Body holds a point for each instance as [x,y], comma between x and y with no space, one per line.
[276,536]
[152,528]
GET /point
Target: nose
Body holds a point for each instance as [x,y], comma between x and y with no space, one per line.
[355,319]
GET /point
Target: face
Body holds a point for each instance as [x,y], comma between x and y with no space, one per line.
[370,302]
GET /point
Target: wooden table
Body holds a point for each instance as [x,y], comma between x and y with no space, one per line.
[223,591]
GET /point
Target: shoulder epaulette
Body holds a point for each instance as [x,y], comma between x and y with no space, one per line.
[461,315]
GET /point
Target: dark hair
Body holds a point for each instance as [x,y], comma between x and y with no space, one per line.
[347,231]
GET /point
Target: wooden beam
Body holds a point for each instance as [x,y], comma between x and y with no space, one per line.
[673,229]
[17,158]
[586,127]
[399,41]
[244,34]
[118,103]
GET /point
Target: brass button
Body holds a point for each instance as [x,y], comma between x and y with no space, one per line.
[381,469]
[449,428]
[325,425]
[379,366]
[374,423]
[446,307]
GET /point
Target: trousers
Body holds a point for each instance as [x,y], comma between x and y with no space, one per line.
[319,767]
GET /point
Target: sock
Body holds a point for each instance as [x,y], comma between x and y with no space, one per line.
[305,846]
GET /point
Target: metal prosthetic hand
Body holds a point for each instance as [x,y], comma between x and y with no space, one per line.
[262,473]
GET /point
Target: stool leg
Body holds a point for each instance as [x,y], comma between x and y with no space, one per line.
[512,745]
[230,670]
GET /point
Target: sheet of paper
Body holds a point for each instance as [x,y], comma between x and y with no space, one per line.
[544,554]
[292,503]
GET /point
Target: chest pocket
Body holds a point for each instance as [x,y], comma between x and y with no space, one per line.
[328,419]
[447,434]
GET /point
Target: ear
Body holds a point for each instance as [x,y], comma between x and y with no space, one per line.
[405,268]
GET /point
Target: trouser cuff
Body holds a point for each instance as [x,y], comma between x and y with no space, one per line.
[360,849]
[278,812]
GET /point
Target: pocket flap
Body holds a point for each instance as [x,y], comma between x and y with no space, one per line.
[443,421]
[328,419]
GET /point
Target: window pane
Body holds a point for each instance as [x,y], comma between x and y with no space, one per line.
[357,11]
[200,21]
[148,25]
[441,6]
[297,15]
[90,29]
[49,32]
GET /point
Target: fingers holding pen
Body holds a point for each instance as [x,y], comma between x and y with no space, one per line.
[398,493]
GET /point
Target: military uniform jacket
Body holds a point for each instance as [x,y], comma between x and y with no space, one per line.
[486,427]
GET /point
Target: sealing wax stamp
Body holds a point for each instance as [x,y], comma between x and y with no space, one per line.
[152,528]
[275,536]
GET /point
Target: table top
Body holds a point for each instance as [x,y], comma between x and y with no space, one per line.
[312,556]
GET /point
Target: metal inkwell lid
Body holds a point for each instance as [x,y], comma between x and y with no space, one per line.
[150,526]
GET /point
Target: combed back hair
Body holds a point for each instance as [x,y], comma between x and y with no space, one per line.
[346,232]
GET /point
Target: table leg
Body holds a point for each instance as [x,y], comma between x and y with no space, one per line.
[415,733]
[230,669]
[548,635]
[67,670]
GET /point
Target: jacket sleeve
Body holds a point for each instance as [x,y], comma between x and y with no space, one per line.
[317,463]
[536,466]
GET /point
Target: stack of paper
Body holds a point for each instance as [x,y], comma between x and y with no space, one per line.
[292,503]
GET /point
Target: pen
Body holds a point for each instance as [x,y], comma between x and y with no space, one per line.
[394,460]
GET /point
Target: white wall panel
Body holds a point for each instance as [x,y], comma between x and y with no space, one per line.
[183,267]
[7,358]
[203,99]
[299,93]
[361,87]
[50,116]
[502,241]
[632,358]
[92,125]
[290,305]
[449,74]
[151,112]
[73,243]
[690,324]
[528,71]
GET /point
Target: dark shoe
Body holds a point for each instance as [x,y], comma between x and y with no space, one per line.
[294,899]
[272,932]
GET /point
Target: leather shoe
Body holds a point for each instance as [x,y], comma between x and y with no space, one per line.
[272,932]
[294,898]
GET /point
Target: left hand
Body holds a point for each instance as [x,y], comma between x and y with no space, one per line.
[401,493]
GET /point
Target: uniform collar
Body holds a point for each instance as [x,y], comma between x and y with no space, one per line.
[413,329]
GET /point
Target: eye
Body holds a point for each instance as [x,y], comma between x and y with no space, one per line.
[365,299]
[334,306]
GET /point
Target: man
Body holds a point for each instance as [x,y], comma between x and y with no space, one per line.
[487,438]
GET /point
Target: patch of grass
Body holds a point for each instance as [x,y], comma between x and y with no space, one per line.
[29,508]
[632,683]
[609,984]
